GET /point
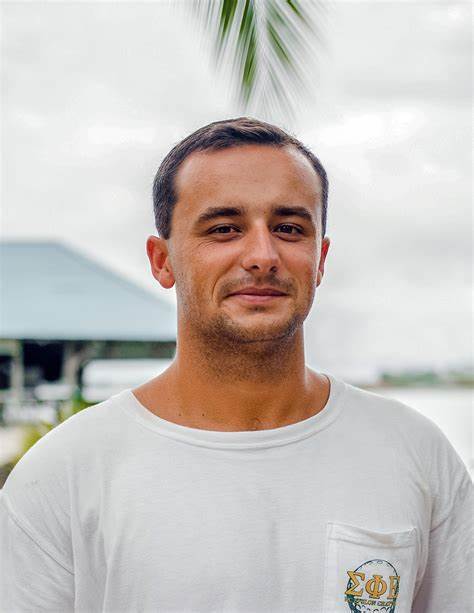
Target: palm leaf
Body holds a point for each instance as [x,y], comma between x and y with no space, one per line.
[266,42]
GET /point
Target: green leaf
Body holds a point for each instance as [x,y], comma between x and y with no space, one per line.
[266,40]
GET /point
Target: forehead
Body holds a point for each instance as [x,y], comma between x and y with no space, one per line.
[251,174]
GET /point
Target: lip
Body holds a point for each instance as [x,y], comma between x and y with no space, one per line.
[259,291]
[258,298]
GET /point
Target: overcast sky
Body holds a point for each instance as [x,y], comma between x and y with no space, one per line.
[95,94]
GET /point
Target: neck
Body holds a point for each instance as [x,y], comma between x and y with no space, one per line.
[255,385]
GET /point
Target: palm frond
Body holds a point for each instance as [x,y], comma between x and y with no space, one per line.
[266,42]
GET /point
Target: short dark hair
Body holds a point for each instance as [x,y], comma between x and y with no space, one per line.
[221,135]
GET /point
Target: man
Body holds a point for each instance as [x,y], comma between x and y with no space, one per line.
[239,480]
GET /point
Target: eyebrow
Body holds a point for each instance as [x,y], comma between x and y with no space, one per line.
[215,212]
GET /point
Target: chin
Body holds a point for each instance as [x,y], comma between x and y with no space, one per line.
[269,331]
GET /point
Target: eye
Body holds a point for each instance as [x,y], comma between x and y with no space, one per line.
[290,226]
[220,228]
[280,226]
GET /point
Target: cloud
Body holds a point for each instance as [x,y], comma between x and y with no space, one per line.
[97,94]
[400,51]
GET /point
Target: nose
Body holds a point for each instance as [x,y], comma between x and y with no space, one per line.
[259,250]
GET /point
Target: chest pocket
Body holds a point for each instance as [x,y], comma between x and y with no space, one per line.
[368,570]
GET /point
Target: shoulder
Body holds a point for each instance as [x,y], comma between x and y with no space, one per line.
[387,413]
[40,492]
[409,433]
[69,443]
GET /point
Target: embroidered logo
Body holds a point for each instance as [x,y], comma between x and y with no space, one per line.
[373,586]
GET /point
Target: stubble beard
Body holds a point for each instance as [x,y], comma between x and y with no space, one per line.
[242,351]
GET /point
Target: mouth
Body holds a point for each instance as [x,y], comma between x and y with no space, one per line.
[258,298]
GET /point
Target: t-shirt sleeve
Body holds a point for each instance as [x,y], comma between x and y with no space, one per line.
[36,561]
[447,580]
[31,579]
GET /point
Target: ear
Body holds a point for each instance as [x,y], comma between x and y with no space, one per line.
[324,250]
[157,251]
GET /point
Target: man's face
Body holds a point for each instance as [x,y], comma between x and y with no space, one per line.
[211,258]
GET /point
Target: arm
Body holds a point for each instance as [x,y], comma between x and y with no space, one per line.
[36,553]
[31,579]
[447,581]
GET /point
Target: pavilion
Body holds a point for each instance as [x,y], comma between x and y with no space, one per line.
[59,309]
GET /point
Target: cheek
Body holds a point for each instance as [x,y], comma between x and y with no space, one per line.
[304,268]
[215,255]
[197,282]
[210,254]
[213,262]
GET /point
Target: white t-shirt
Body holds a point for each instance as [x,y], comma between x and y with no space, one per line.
[364,506]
